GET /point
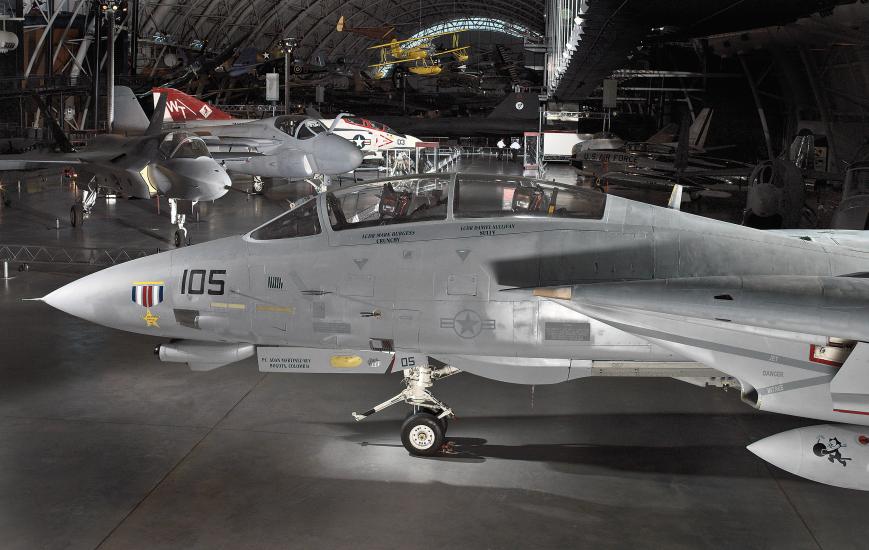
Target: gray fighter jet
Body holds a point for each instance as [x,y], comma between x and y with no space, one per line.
[288,146]
[657,162]
[142,161]
[518,280]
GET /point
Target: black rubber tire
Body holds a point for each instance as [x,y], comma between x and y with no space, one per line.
[422,434]
[444,422]
[76,215]
[179,239]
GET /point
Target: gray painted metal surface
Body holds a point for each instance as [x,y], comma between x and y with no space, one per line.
[510,278]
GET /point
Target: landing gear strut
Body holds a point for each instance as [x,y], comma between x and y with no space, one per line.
[181,236]
[85,205]
[422,433]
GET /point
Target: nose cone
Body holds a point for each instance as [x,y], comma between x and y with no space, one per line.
[784,450]
[120,296]
[335,155]
[196,179]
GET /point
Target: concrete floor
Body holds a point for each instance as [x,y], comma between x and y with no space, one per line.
[103,446]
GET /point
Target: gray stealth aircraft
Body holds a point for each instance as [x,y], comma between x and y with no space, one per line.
[523,281]
[139,161]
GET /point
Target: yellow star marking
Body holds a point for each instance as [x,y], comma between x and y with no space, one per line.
[150,319]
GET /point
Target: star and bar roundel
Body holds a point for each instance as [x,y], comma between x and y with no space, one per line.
[147,294]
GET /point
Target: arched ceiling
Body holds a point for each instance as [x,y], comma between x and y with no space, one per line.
[262,23]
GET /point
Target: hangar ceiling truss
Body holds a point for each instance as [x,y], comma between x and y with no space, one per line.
[263,23]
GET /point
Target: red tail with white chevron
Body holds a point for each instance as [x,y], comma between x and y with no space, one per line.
[181,107]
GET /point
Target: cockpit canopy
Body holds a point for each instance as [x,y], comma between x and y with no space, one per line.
[370,124]
[428,197]
[856,180]
[182,145]
[299,127]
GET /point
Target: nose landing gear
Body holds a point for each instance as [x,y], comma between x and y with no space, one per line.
[422,433]
[85,205]
[181,236]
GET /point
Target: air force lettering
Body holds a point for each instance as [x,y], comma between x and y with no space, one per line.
[148,294]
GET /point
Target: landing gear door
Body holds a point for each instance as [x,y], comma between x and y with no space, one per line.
[406,329]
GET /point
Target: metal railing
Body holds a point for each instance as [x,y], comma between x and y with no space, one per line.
[92,256]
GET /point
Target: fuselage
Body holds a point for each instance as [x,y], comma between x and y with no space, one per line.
[290,147]
[454,282]
[371,137]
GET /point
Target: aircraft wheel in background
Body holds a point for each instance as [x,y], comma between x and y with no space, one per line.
[422,434]
[76,215]
[181,238]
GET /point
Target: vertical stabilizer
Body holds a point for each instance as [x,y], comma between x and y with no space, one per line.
[130,118]
[700,129]
[181,107]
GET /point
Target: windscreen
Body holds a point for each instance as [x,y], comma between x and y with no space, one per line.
[178,145]
[302,221]
[289,124]
[858,182]
[310,128]
[485,197]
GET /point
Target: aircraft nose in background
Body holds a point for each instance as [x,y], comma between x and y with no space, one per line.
[198,179]
[335,155]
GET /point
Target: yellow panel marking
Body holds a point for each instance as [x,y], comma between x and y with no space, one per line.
[224,305]
[561,292]
[276,309]
[345,361]
[137,283]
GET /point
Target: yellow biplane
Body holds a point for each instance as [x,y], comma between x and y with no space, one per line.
[421,52]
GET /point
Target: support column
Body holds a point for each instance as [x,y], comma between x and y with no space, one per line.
[110,74]
[759,105]
[823,110]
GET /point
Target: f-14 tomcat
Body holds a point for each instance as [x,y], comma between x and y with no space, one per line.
[523,281]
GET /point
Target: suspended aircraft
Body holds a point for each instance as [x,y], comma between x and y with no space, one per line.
[376,33]
[140,160]
[420,52]
[526,281]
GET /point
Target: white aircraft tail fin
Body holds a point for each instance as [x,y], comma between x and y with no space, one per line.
[130,118]
[699,129]
[675,201]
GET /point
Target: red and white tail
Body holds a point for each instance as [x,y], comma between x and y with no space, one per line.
[181,107]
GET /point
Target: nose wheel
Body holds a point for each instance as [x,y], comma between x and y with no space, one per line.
[422,434]
[181,238]
[76,215]
[423,431]
[85,205]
